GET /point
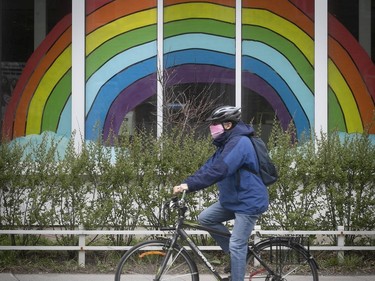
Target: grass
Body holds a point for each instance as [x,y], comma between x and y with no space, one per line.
[57,262]
[353,263]
[358,263]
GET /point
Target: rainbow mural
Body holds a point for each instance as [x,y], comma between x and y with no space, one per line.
[199,45]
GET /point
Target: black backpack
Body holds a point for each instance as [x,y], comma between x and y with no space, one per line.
[267,169]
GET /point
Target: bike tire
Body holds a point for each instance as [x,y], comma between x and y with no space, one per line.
[288,259]
[142,262]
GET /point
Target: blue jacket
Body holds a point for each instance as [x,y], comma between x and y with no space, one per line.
[246,194]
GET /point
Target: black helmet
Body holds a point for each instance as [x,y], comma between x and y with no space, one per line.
[224,114]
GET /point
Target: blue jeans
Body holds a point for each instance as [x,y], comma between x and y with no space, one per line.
[236,245]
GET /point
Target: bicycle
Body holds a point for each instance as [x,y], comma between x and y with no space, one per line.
[271,259]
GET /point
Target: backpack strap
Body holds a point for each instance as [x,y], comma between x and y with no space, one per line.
[238,175]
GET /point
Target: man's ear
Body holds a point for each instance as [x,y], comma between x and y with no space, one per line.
[227,125]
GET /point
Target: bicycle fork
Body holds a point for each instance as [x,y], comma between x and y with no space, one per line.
[167,258]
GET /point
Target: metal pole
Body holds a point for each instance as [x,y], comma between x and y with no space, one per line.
[238,78]
[160,68]
[78,72]
[321,67]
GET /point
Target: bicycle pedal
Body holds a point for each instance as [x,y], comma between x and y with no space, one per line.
[226,279]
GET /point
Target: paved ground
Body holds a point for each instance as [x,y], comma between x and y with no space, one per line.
[107,277]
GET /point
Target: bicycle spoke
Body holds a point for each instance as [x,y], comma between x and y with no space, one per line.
[287,261]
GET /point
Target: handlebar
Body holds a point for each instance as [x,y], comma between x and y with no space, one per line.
[176,202]
[181,206]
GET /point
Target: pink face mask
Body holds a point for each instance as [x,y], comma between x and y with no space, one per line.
[216,130]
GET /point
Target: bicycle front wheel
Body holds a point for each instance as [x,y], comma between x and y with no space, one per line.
[281,259]
[143,261]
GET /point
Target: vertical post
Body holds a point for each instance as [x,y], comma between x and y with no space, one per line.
[78,72]
[40,21]
[238,78]
[256,240]
[365,25]
[321,67]
[160,68]
[82,244]
[1,43]
[340,243]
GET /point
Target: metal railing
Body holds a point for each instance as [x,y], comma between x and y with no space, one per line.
[82,234]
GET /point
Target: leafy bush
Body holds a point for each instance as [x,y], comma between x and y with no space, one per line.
[294,198]
[347,178]
[324,182]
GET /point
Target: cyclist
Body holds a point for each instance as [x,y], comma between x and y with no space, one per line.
[242,195]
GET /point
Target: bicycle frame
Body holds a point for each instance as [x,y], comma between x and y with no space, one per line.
[289,256]
[179,232]
[210,230]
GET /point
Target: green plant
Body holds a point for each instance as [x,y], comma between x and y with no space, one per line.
[347,176]
[325,182]
[12,187]
[294,198]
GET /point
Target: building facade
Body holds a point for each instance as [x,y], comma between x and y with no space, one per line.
[91,65]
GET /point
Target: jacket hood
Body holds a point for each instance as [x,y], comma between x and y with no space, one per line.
[241,129]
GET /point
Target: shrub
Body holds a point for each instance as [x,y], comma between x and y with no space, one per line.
[324,182]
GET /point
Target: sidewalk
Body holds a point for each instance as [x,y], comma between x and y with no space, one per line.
[110,277]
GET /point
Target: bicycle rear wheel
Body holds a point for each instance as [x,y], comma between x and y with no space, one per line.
[288,260]
[142,262]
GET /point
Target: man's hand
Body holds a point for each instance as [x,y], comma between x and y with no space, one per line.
[180,188]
